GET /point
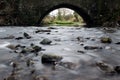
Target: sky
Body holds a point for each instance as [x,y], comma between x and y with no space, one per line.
[67,11]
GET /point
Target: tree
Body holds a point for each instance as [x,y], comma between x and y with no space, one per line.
[76,15]
[59,15]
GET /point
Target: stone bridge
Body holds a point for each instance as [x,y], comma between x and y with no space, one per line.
[31,12]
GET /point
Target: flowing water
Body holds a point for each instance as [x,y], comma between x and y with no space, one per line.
[65,43]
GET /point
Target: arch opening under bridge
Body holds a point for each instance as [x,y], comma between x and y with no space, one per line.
[88,20]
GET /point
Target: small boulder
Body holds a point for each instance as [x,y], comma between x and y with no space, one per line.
[106,40]
[46,41]
[26,35]
[92,47]
[117,69]
[36,48]
[105,67]
[118,43]
[51,59]
[12,47]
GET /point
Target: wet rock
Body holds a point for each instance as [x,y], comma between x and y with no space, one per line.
[37,31]
[14,64]
[26,35]
[88,38]
[19,38]
[46,41]
[92,39]
[29,62]
[23,51]
[68,65]
[56,31]
[81,51]
[11,77]
[105,67]
[80,39]
[12,47]
[106,40]
[41,78]
[32,44]
[52,28]
[92,47]
[117,69]
[48,33]
[32,71]
[109,29]
[36,48]
[20,46]
[51,59]
[26,50]
[82,44]
[118,43]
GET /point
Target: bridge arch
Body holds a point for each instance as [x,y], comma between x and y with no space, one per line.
[79,10]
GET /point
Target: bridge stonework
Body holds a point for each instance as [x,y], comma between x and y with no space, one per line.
[31,12]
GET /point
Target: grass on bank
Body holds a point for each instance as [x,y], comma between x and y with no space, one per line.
[64,23]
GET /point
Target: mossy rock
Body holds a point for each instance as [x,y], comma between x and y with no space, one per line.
[106,40]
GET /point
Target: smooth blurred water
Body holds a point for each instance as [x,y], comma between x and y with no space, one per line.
[65,44]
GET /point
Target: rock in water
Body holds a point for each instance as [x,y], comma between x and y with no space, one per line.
[46,42]
[92,47]
[13,47]
[51,59]
[105,67]
[106,40]
[11,77]
[69,65]
[26,35]
[117,69]
[118,43]
[19,38]
[37,48]
[42,31]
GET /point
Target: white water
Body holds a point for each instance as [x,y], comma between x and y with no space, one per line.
[3,44]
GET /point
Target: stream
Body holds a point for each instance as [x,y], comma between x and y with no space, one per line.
[68,42]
